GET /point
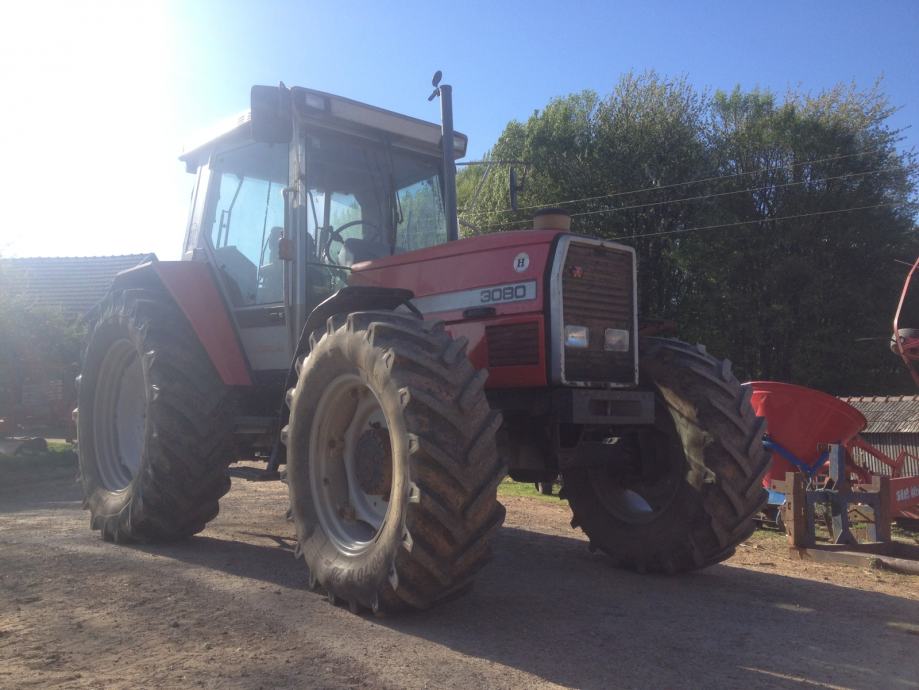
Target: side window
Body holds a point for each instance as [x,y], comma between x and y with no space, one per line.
[423,223]
[247,222]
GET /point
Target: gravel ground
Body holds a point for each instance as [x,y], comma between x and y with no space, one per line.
[229,608]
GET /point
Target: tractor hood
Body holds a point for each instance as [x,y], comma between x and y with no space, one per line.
[485,261]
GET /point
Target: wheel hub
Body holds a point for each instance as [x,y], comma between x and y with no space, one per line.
[373,462]
[351,464]
[119,416]
[640,484]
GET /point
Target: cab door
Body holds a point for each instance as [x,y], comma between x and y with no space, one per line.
[246,219]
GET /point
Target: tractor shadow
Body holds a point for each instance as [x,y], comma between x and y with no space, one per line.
[267,562]
[45,481]
[547,606]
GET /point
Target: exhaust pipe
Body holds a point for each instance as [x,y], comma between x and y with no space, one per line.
[445,91]
[552,219]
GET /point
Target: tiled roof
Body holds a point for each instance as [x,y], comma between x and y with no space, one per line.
[72,284]
[894,414]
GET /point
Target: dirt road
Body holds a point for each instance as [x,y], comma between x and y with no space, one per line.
[229,608]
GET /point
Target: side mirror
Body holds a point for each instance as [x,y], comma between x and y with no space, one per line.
[270,113]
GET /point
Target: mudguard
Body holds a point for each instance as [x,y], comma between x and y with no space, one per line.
[354,298]
[348,299]
[193,287]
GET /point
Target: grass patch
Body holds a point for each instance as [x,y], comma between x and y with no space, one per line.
[527,490]
[766,535]
[59,446]
[58,455]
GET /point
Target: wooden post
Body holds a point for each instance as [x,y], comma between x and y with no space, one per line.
[882,515]
[796,511]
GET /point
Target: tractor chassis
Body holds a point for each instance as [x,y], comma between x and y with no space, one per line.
[550,430]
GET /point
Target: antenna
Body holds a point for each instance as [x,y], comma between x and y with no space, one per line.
[435,82]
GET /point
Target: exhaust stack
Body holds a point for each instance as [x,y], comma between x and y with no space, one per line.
[445,91]
[552,219]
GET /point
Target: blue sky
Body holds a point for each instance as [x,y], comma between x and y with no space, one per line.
[99,97]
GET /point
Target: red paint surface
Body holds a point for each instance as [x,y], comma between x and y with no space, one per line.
[904,497]
[192,286]
[524,376]
[475,262]
[801,419]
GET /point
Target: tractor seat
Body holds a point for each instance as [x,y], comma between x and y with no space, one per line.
[356,250]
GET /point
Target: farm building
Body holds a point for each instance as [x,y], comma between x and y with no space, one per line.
[893,428]
[37,390]
[69,284]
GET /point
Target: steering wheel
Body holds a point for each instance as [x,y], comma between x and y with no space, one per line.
[335,234]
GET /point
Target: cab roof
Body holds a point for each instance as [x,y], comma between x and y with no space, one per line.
[330,110]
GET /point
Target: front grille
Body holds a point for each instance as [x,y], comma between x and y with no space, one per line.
[513,344]
[598,292]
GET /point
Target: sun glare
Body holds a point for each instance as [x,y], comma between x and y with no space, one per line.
[89,130]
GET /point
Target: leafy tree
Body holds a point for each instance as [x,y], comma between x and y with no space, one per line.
[36,344]
[797,292]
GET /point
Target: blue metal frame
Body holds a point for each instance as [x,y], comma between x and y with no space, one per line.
[808,469]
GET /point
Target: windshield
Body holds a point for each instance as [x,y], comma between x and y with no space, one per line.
[367,200]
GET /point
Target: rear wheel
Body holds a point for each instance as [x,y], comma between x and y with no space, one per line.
[392,464]
[154,422]
[680,494]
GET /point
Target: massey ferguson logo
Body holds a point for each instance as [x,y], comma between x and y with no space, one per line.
[576,272]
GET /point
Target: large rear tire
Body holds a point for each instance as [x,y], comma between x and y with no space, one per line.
[679,495]
[154,422]
[392,463]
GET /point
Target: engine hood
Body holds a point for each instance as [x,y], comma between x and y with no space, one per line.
[471,263]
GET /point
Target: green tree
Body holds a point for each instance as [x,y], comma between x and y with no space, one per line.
[36,344]
[797,291]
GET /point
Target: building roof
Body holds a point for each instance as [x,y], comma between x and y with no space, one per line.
[893,414]
[72,284]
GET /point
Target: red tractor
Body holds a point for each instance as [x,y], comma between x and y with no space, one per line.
[326,316]
[905,341]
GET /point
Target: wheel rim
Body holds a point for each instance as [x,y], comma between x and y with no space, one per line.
[119,416]
[350,464]
[642,481]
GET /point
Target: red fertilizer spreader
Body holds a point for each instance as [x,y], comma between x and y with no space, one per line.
[802,426]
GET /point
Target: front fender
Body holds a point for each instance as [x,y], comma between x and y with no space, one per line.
[349,299]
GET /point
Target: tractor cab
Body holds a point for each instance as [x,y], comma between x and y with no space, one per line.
[293,194]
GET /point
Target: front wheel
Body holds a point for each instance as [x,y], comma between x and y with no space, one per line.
[392,464]
[682,493]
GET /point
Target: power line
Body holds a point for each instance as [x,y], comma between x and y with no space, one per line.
[758,220]
[737,191]
[713,195]
[677,184]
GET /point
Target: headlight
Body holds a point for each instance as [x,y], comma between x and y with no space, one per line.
[616,340]
[576,336]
